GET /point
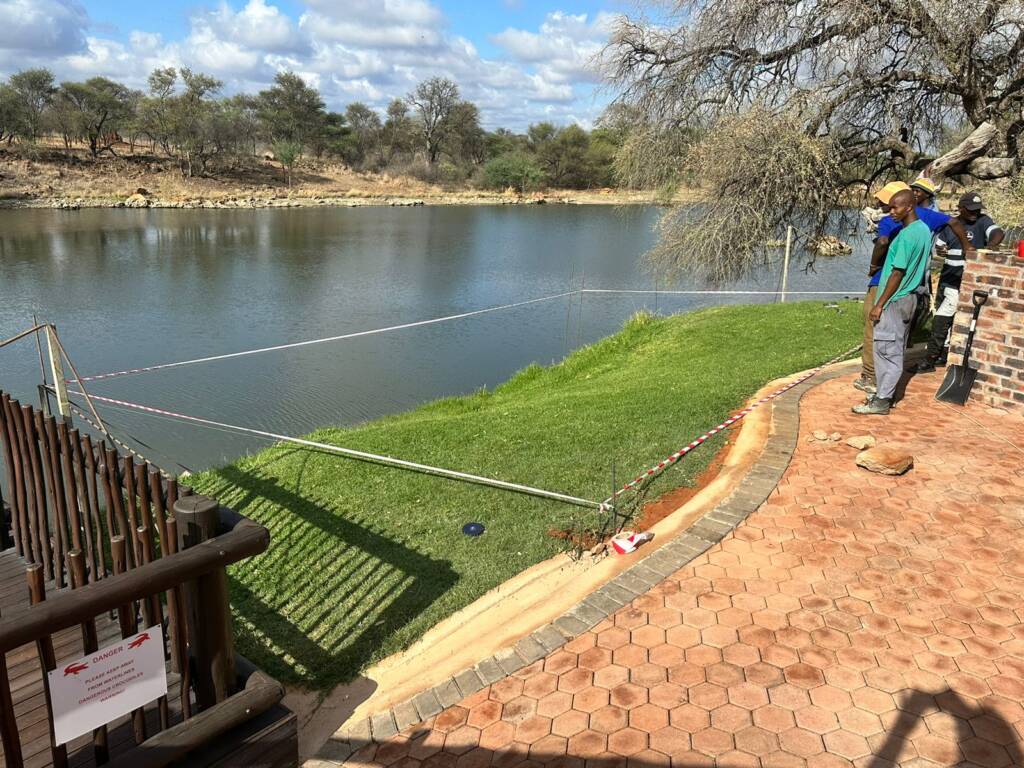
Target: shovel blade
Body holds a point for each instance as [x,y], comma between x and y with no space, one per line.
[956,387]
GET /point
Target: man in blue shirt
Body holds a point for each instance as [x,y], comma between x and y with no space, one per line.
[893,313]
[982,232]
[888,229]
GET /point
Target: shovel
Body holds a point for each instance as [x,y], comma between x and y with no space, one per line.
[960,378]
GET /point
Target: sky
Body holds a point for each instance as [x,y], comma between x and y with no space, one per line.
[520,61]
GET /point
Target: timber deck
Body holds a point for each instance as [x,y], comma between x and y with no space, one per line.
[27,679]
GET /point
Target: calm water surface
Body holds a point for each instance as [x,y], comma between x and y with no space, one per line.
[132,288]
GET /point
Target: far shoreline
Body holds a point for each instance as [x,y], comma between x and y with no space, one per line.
[254,202]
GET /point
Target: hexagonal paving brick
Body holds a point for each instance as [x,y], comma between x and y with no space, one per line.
[648,718]
[608,719]
[690,718]
[590,699]
[627,742]
[611,676]
[554,704]
[712,741]
[497,735]
[628,695]
[670,741]
[570,723]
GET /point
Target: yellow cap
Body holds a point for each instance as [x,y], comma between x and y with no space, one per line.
[925,184]
[884,195]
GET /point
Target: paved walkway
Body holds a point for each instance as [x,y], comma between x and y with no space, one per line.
[853,619]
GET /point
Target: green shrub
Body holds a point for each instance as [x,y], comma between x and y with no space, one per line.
[513,169]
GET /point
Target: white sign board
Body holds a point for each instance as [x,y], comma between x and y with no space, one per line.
[103,686]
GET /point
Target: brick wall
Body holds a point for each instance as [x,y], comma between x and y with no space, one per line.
[998,348]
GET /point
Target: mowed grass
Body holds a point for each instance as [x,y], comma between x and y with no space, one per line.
[364,559]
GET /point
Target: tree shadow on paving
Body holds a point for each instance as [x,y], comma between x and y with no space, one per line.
[973,735]
[315,608]
[983,736]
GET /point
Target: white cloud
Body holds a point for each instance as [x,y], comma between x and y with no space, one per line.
[356,50]
[563,49]
[42,27]
[375,23]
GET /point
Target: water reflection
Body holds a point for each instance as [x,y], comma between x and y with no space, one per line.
[131,288]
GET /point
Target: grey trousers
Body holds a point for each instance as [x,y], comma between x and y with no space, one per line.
[890,338]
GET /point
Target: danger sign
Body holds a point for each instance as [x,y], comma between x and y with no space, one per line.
[102,686]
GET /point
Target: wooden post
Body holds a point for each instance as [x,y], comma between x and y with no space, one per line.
[47,659]
[57,371]
[90,644]
[785,261]
[207,613]
[127,621]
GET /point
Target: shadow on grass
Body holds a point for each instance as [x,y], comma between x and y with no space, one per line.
[315,608]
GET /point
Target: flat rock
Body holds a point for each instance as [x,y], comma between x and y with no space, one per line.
[885,460]
[820,434]
[861,442]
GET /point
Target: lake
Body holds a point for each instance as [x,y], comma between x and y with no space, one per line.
[129,288]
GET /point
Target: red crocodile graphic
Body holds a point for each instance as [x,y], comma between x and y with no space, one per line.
[139,640]
[74,669]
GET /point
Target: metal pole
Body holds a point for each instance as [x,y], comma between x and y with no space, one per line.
[785,260]
[78,380]
[44,395]
[57,371]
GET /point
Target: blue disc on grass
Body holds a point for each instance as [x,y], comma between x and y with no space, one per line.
[473,529]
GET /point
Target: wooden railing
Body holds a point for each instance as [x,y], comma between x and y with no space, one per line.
[127,542]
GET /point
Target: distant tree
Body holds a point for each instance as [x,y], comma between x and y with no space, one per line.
[154,112]
[35,91]
[290,110]
[561,153]
[287,152]
[434,100]
[600,158]
[464,139]
[98,108]
[192,120]
[12,117]
[398,135]
[241,112]
[502,141]
[133,125]
[364,136]
[332,137]
[515,169]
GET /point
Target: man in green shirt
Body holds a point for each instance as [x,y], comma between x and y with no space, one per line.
[893,313]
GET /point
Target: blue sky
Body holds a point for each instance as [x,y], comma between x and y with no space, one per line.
[521,61]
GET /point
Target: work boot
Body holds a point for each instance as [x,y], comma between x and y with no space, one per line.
[925,366]
[876,406]
[864,386]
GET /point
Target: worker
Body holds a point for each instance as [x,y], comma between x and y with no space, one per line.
[893,312]
[866,382]
[925,192]
[888,229]
[981,232]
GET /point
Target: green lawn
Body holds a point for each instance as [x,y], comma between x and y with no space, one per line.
[364,559]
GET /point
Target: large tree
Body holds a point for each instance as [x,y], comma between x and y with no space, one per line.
[35,91]
[434,100]
[290,110]
[875,83]
[98,107]
[884,78]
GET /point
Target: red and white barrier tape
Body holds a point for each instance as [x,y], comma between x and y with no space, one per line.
[661,466]
[361,455]
[342,337]
[433,321]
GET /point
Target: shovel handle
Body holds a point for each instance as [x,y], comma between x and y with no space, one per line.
[979,298]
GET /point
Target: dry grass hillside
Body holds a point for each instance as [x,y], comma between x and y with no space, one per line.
[48,176]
